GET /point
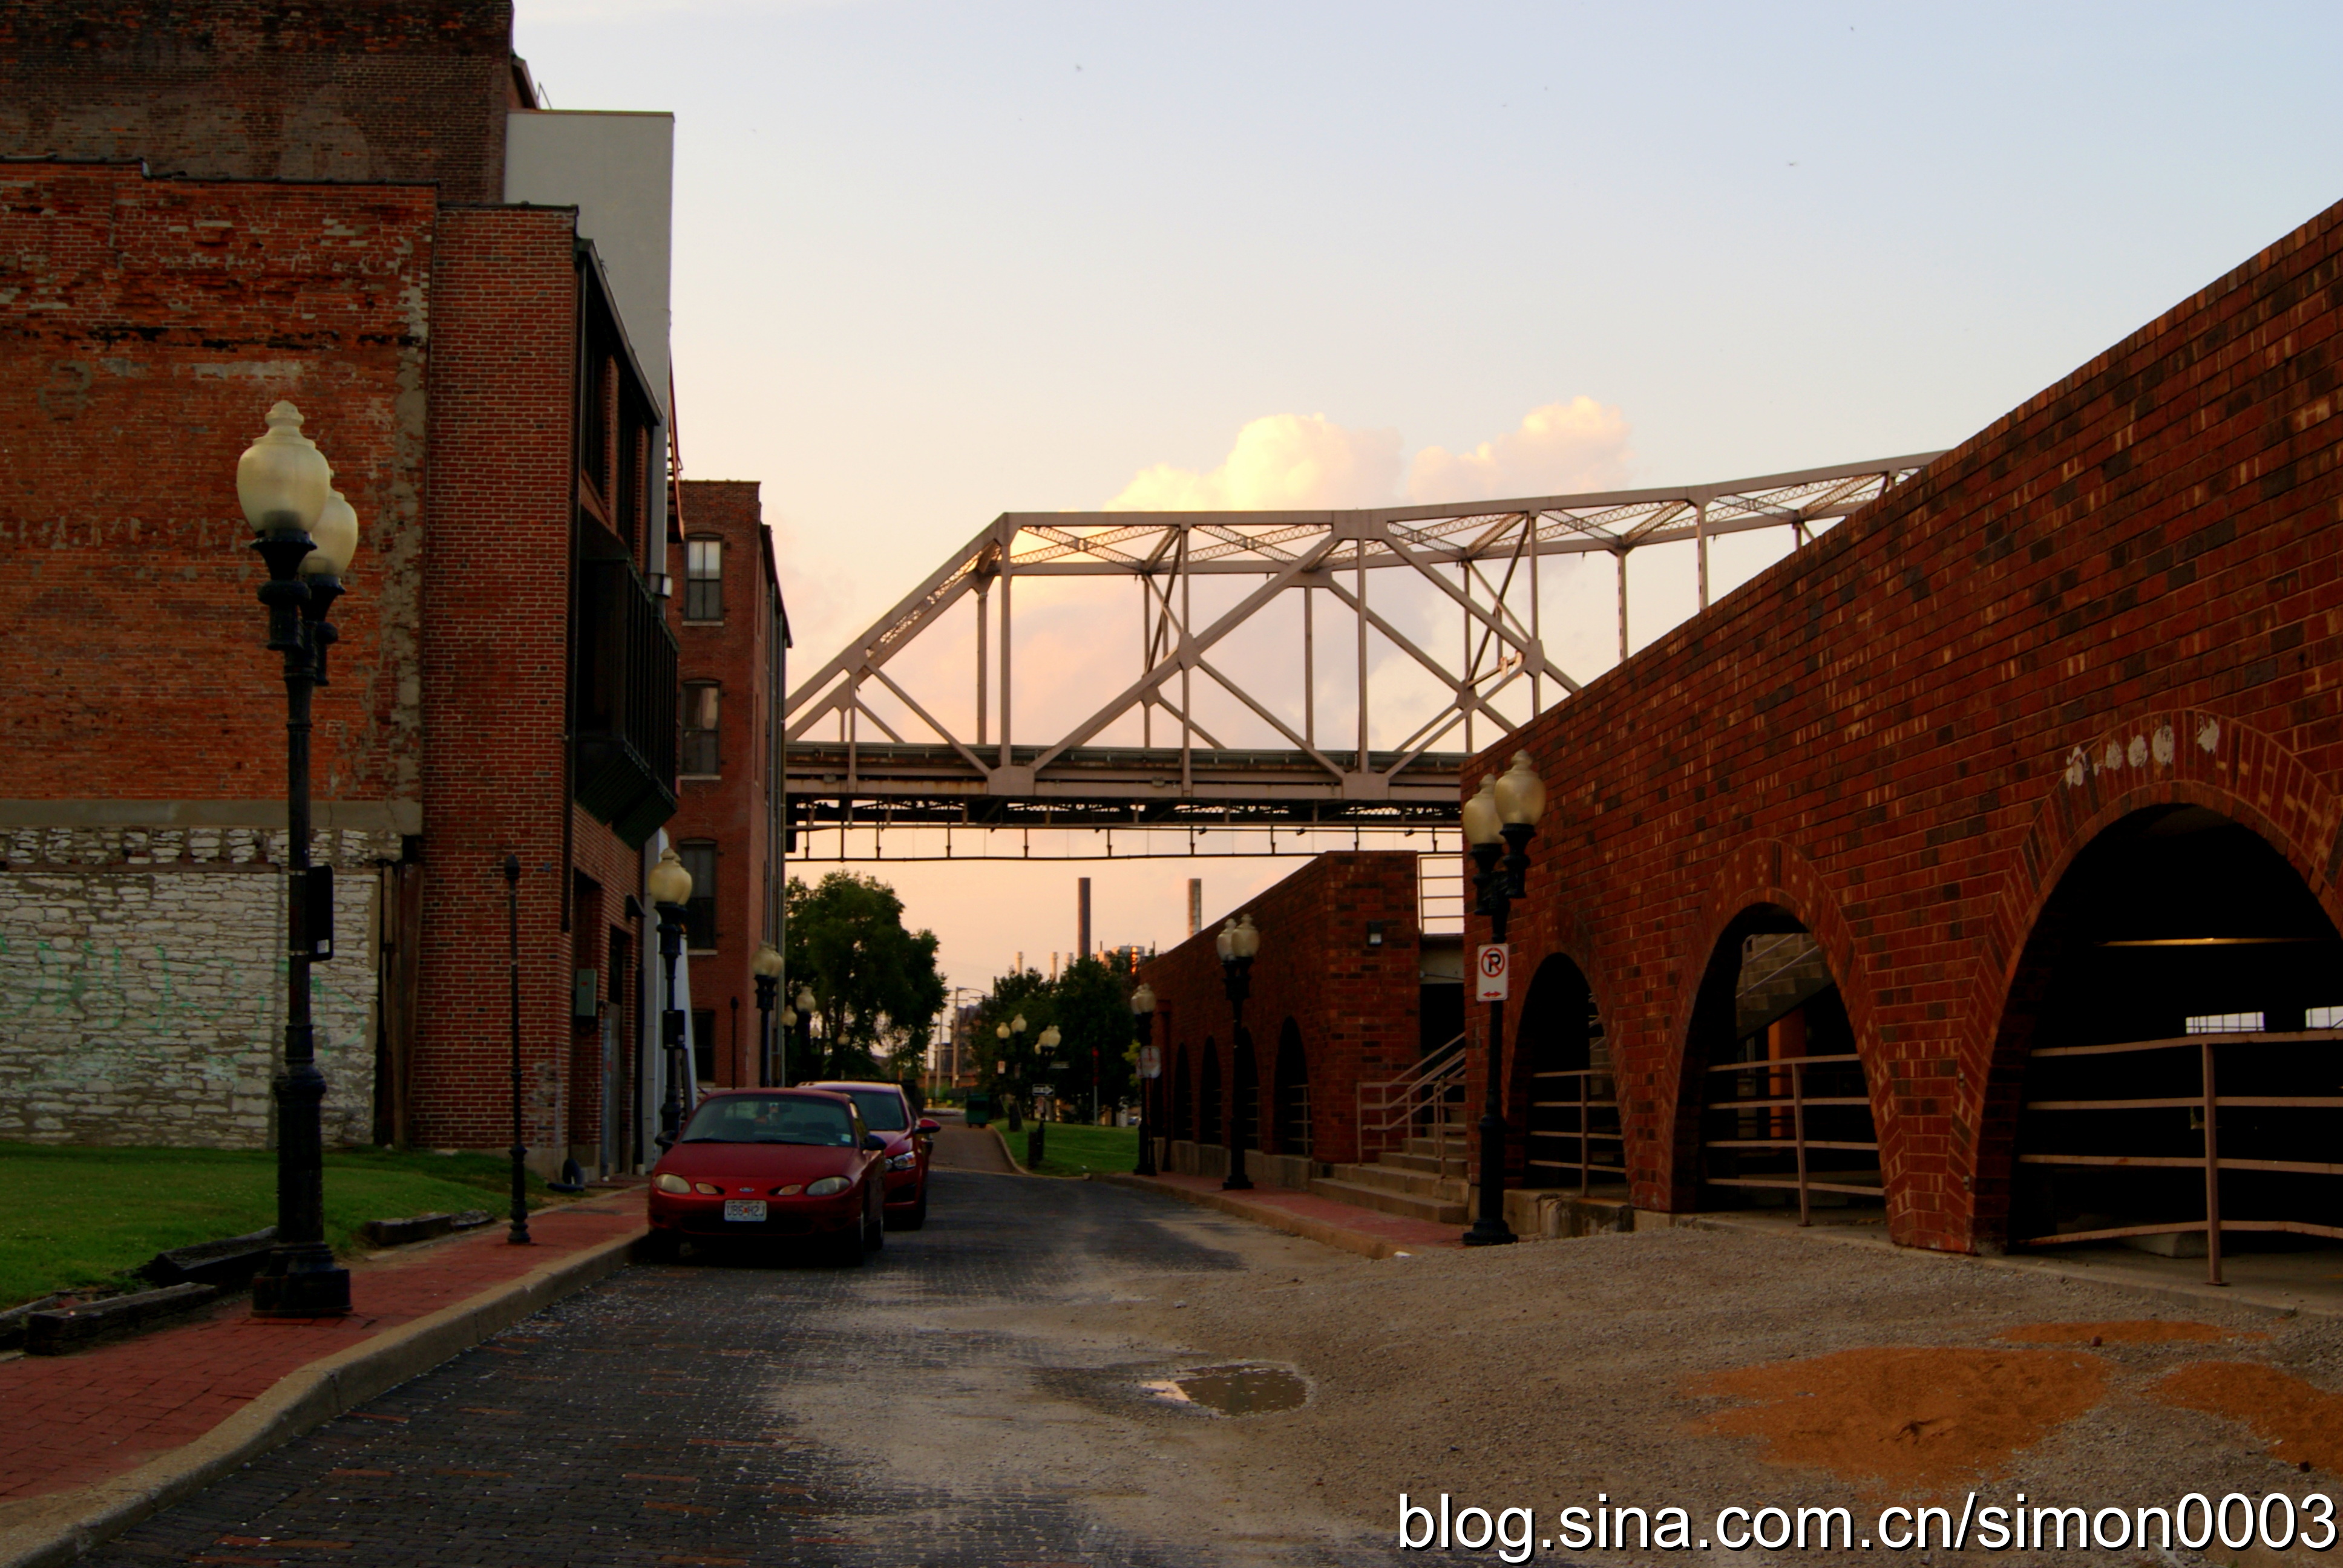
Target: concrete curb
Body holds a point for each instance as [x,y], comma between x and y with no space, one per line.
[1006,1154]
[1323,1231]
[55,1530]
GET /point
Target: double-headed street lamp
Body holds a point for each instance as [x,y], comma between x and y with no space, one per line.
[767,966]
[1237,943]
[1150,1067]
[670,889]
[1008,1035]
[1501,818]
[805,999]
[306,533]
[1037,1145]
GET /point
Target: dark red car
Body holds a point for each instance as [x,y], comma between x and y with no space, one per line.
[787,1165]
[887,1111]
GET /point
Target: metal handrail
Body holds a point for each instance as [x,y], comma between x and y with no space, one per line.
[1397,1103]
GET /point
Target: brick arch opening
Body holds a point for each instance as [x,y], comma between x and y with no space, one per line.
[1184,1100]
[1290,1092]
[1562,1077]
[1779,1105]
[1208,1094]
[2173,1035]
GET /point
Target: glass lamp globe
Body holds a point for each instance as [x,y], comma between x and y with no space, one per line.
[1520,794]
[335,535]
[1482,823]
[1247,938]
[1143,999]
[767,962]
[282,480]
[805,998]
[1000,1031]
[1225,940]
[668,882]
[1018,1023]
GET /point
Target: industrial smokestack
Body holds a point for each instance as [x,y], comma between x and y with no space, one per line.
[1082,900]
[1195,905]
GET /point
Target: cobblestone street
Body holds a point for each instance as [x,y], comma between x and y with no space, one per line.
[746,1412]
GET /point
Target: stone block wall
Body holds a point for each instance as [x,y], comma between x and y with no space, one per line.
[142,985]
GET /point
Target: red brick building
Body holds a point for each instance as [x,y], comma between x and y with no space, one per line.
[350,224]
[1333,1001]
[733,632]
[1998,789]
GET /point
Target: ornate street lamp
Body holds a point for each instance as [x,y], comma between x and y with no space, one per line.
[669,886]
[1037,1146]
[766,965]
[306,533]
[805,999]
[1501,818]
[1237,943]
[1150,1067]
[1012,1067]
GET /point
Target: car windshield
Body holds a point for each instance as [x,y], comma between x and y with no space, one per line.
[882,1109]
[772,1119]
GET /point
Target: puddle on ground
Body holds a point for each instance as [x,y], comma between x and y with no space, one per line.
[1239,1389]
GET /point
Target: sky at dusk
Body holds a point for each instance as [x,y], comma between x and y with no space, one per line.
[935,262]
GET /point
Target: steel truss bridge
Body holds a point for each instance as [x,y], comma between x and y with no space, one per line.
[866,749]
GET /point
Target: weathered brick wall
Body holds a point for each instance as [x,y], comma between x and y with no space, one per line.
[2124,593]
[495,662]
[1355,1006]
[265,90]
[145,326]
[142,986]
[730,808]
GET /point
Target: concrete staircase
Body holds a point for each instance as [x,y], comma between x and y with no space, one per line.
[1413,1182]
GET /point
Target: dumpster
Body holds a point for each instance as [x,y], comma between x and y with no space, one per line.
[979,1109]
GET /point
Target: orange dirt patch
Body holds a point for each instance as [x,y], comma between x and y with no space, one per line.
[1919,1418]
[2143,1332]
[2302,1422]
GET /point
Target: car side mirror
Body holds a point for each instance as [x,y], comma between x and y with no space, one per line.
[927,1126]
[873,1143]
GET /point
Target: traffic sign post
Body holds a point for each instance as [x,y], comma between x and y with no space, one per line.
[1493,972]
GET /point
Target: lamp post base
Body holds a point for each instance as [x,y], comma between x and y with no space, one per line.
[1489,1234]
[301,1291]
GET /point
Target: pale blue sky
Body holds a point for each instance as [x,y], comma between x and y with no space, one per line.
[936,261]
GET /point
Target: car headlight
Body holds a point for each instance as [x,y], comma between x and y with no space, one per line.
[710,1188]
[669,1181]
[828,1187]
[904,1161]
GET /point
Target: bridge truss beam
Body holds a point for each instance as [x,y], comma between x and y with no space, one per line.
[1480,561]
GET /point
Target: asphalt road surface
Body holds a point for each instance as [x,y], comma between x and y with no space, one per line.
[953,1401]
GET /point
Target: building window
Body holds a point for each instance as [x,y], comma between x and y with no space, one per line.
[703,579]
[700,920]
[702,754]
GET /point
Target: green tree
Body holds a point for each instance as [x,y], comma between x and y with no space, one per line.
[1090,1002]
[875,985]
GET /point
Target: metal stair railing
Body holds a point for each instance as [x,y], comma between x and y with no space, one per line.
[1390,1111]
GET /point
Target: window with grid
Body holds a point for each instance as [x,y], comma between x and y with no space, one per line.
[702,753]
[703,579]
[700,916]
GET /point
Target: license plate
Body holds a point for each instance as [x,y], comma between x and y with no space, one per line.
[751,1209]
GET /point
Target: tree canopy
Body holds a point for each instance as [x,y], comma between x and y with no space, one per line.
[875,984]
[1090,1002]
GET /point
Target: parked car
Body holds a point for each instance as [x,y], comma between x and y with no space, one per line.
[796,1166]
[888,1111]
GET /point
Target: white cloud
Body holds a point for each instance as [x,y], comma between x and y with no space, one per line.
[1283,462]
[1562,448]
[1301,462]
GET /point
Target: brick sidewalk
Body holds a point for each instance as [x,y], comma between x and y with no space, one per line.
[76,1420]
[1363,1230]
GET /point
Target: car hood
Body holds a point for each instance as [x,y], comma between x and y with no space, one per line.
[762,1163]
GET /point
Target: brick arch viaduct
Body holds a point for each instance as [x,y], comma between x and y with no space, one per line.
[2124,593]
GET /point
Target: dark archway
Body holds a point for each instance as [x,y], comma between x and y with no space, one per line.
[1208,1095]
[1784,1107]
[1184,1100]
[1290,1095]
[2179,1001]
[1563,1069]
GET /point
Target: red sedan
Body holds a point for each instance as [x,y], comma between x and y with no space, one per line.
[887,1110]
[773,1164]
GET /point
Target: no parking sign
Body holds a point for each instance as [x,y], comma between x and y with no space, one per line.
[1492,969]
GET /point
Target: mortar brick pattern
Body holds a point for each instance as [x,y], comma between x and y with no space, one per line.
[1355,1007]
[2125,592]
